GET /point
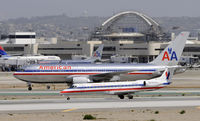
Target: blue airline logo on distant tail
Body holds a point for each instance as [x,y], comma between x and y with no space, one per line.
[97,54]
[2,51]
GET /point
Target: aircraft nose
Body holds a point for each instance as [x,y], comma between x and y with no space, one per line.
[17,76]
[64,93]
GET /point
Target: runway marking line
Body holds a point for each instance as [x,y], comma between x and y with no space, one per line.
[69,110]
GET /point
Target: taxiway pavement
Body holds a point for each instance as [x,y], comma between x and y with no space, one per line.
[96,103]
[164,91]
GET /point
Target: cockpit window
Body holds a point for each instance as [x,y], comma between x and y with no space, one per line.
[22,70]
[72,86]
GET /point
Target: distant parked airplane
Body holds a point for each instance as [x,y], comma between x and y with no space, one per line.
[96,56]
[9,61]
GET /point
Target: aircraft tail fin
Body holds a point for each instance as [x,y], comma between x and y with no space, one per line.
[2,51]
[172,53]
[98,53]
[167,75]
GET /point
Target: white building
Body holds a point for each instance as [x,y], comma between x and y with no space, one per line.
[22,38]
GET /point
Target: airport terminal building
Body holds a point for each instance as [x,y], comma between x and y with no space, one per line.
[130,34]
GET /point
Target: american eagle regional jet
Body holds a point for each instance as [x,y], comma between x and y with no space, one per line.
[121,88]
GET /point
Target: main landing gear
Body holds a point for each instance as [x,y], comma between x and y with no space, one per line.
[30,86]
[122,96]
[130,96]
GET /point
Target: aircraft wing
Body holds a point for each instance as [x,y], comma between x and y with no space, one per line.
[112,76]
[92,60]
[108,76]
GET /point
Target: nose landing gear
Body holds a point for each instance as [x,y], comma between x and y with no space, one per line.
[29,86]
[48,87]
[68,98]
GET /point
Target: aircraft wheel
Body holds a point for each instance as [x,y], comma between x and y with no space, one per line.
[29,88]
[68,98]
[48,87]
[121,96]
[130,96]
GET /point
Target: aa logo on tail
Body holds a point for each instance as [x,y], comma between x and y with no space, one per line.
[97,54]
[167,74]
[169,55]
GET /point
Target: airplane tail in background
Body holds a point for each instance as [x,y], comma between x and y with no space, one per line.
[2,51]
[98,53]
[172,53]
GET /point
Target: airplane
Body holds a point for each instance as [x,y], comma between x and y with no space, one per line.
[88,73]
[121,88]
[96,56]
[8,61]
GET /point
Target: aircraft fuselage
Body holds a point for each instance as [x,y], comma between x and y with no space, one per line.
[62,73]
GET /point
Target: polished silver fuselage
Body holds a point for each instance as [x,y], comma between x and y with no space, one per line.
[63,73]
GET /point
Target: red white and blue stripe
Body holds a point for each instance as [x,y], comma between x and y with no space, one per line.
[109,88]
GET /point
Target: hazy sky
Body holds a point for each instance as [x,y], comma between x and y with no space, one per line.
[155,8]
